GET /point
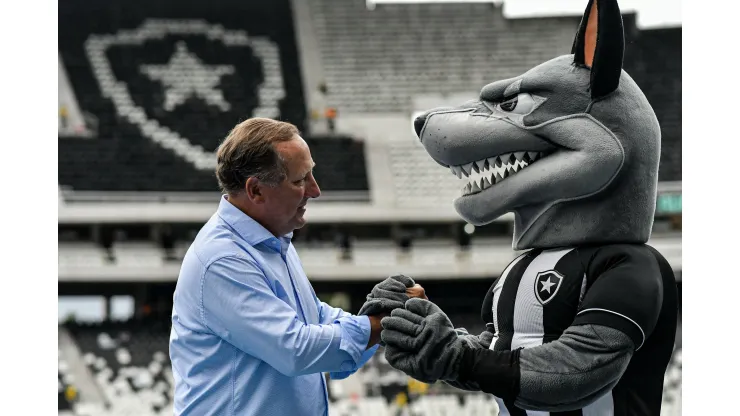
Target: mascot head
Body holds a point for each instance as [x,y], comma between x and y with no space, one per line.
[571,146]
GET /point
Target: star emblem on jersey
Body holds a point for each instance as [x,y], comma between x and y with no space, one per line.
[546,285]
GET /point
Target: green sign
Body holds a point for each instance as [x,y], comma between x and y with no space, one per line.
[669,203]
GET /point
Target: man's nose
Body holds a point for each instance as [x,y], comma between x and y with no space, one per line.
[313,190]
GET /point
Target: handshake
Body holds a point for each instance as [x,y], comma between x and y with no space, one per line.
[390,294]
[419,339]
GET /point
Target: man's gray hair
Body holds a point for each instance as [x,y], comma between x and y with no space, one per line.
[249,151]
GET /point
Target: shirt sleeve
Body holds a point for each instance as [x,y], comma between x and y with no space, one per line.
[355,335]
[366,356]
[238,305]
[626,293]
[328,314]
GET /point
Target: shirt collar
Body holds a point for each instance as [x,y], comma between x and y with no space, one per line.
[250,230]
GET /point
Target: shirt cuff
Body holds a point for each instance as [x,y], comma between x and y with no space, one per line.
[355,334]
[366,356]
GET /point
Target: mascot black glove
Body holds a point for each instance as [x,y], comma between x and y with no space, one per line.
[421,341]
[387,296]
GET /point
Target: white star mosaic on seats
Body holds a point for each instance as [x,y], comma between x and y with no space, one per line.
[185,75]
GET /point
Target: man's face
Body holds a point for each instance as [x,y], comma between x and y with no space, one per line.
[285,204]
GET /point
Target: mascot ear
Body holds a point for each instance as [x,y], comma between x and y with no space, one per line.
[599,45]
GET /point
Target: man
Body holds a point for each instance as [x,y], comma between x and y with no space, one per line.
[249,336]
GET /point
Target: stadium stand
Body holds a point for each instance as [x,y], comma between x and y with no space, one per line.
[166,88]
[386,391]
[376,61]
[672,385]
[372,60]
[131,365]
[432,258]
[81,254]
[340,163]
[62,388]
[653,59]
[156,131]
[419,180]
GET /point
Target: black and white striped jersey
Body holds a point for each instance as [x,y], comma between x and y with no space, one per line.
[543,292]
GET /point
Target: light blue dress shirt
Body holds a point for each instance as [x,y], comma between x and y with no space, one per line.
[249,336]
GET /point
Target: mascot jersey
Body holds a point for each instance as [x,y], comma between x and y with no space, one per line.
[543,292]
[583,323]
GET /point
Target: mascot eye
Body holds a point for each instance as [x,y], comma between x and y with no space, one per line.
[518,104]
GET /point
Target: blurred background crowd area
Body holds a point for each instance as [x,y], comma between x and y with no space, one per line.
[147,90]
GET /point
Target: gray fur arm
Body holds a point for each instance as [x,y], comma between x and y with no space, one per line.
[572,372]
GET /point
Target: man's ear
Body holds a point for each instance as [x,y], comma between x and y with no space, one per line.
[253,188]
[599,45]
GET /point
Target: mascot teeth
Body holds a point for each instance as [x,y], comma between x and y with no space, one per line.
[482,174]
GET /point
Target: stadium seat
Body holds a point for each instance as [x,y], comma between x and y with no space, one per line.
[157,129]
[340,164]
[653,59]
[671,405]
[138,254]
[377,61]
[130,365]
[166,88]
[418,180]
[62,386]
[80,254]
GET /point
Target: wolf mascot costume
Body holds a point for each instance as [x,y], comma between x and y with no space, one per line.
[583,323]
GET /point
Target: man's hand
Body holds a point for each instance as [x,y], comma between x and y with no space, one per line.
[388,295]
[421,341]
[375,330]
[416,292]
